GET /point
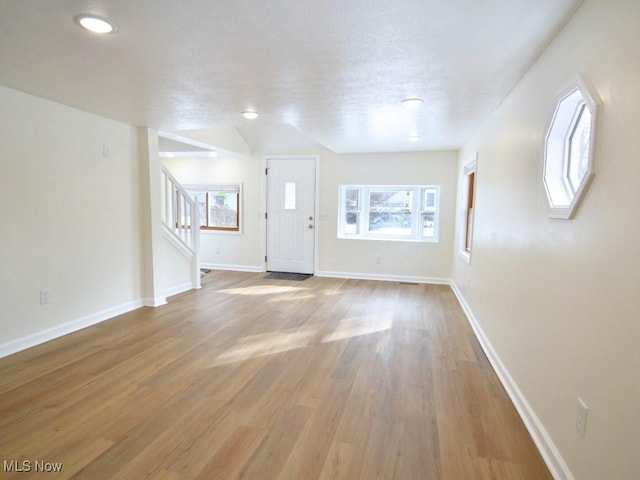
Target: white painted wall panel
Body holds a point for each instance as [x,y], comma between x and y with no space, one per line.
[69,215]
[397,258]
[559,300]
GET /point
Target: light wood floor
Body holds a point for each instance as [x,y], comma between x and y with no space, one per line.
[269,379]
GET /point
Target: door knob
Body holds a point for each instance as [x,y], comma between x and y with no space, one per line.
[310,226]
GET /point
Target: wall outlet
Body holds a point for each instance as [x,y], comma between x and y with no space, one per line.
[45,296]
[106,151]
[217,249]
[581,417]
[377,259]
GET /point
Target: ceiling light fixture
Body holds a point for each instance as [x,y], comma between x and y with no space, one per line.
[412,102]
[249,115]
[96,24]
[414,138]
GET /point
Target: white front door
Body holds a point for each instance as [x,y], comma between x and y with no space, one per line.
[291,222]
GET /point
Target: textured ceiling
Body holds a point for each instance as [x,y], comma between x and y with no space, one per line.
[334,70]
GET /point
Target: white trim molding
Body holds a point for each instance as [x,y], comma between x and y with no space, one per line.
[37,338]
[384,278]
[179,246]
[565,190]
[154,302]
[556,464]
[466,214]
[233,268]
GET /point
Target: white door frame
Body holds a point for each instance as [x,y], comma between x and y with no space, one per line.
[316,162]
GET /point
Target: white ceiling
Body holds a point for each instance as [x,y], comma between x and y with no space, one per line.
[334,70]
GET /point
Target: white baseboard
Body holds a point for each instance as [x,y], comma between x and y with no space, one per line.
[383,278]
[154,302]
[233,268]
[44,336]
[556,464]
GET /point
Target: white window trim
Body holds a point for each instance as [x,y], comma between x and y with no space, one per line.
[563,199]
[470,167]
[416,209]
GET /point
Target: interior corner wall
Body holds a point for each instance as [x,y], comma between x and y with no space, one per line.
[558,300]
[70,210]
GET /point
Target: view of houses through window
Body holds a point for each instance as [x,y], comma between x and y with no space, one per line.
[389,212]
[218,206]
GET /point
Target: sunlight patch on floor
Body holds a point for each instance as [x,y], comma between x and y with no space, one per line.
[267,344]
[292,339]
[287,298]
[358,326]
[263,290]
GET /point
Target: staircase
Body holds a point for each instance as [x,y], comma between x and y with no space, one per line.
[181,221]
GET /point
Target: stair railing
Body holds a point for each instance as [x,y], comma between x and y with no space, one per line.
[181,219]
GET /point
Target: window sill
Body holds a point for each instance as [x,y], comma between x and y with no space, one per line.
[221,232]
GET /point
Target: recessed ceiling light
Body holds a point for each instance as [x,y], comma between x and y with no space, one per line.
[414,138]
[250,115]
[96,24]
[412,102]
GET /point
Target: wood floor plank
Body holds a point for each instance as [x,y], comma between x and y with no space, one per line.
[234,454]
[79,456]
[339,463]
[250,378]
[317,435]
[319,363]
[194,453]
[277,445]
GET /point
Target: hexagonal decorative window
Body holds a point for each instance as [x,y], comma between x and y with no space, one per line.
[569,147]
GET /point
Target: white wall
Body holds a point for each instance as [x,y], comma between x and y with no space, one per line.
[558,300]
[226,249]
[70,218]
[401,259]
[335,256]
[174,269]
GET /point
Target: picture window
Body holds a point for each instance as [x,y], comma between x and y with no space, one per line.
[389,212]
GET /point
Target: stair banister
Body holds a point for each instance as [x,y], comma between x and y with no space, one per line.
[180,218]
